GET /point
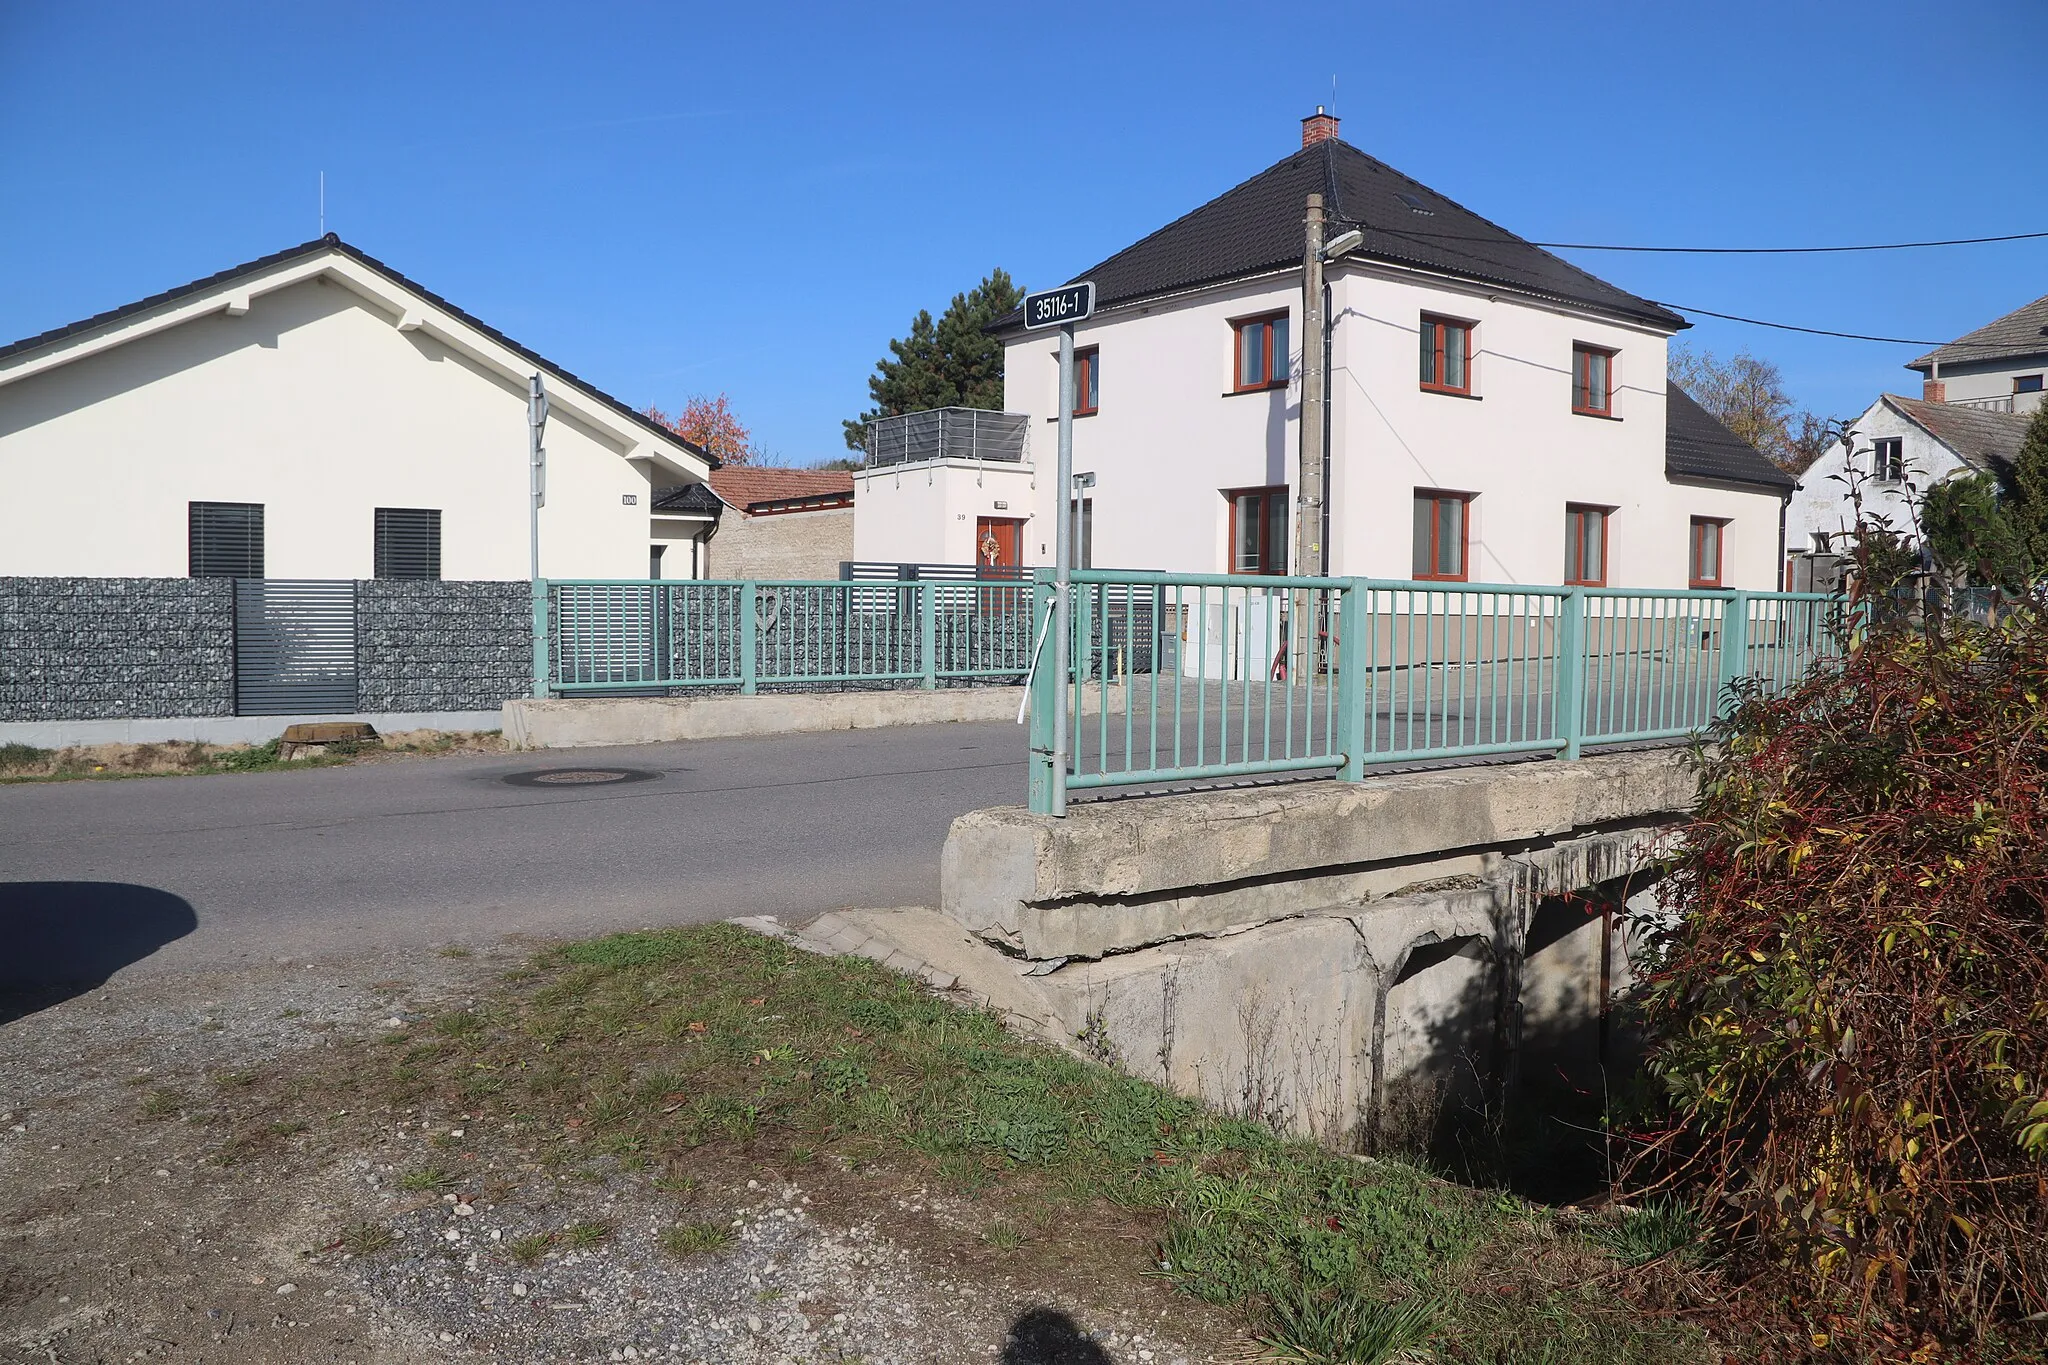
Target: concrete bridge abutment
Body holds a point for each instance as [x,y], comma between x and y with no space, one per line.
[1350,962]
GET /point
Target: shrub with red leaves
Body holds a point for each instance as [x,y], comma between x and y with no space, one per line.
[1848,1010]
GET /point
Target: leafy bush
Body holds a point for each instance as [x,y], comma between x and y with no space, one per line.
[1849,1006]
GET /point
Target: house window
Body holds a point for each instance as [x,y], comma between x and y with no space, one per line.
[1442,534]
[224,539]
[1258,530]
[1585,545]
[408,542]
[2026,383]
[1889,460]
[1087,381]
[1446,355]
[1261,353]
[1593,381]
[1705,569]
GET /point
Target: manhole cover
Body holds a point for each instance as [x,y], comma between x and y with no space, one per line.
[578,777]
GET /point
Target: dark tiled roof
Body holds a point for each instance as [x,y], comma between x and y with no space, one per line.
[318,246]
[694,499]
[1257,227]
[2022,332]
[751,487]
[1698,446]
[1980,438]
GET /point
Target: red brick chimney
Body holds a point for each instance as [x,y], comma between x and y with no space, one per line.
[1318,127]
[1934,390]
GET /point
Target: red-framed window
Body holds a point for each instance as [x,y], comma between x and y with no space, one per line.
[1258,529]
[1443,534]
[1260,346]
[1593,380]
[1446,355]
[1585,545]
[1705,560]
[1087,381]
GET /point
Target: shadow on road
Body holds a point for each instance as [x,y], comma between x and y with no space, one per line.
[60,939]
[1046,1336]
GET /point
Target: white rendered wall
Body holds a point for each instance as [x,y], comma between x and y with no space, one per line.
[1992,379]
[1822,502]
[314,404]
[1169,437]
[926,513]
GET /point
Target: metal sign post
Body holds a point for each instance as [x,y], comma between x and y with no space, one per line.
[1062,308]
[536,498]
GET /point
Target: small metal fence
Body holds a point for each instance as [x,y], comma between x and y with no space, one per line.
[1181,678]
[652,638]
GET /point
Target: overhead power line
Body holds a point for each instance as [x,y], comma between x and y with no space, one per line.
[1718,250]
[1824,332]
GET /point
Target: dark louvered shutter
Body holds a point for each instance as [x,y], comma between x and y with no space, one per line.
[408,542]
[225,539]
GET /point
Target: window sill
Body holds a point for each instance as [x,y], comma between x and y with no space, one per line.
[1280,386]
[1703,587]
[1089,413]
[1585,583]
[1452,393]
[1588,412]
[1441,578]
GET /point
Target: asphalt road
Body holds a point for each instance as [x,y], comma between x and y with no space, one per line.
[177,873]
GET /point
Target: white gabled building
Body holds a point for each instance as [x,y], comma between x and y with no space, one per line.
[1892,454]
[315,414]
[1495,414]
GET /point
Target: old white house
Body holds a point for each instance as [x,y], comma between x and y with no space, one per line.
[1495,414]
[1978,394]
[315,414]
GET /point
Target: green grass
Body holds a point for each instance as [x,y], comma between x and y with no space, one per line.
[193,760]
[583,1236]
[427,1179]
[692,1239]
[650,1046]
[367,1239]
[529,1249]
[1661,1227]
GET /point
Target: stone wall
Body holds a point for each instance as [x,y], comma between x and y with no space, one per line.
[432,646]
[782,545]
[112,648]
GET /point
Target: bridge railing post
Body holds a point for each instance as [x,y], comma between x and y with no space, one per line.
[1353,652]
[1570,703]
[1734,650]
[1046,692]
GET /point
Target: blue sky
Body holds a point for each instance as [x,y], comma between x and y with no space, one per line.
[671,199]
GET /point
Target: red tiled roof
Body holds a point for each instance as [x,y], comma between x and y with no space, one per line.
[745,488]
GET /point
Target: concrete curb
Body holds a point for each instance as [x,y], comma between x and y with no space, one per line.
[582,722]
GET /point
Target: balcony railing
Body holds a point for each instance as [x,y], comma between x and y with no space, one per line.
[949,434]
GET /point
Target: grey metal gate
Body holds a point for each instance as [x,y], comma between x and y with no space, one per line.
[295,646]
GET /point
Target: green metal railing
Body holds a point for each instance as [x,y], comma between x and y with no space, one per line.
[630,636]
[1199,677]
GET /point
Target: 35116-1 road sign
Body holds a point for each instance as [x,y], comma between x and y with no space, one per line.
[1055,307]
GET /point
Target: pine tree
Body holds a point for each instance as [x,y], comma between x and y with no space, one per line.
[950,363]
[2028,505]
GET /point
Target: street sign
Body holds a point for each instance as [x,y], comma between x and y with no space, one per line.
[1057,307]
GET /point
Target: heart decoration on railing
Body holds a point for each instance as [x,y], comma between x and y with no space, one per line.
[768,608]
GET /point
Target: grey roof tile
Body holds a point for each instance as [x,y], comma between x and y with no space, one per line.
[1257,227]
[1981,438]
[1698,446]
[2022,332]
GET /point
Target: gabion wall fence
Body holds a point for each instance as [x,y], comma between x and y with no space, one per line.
[116,648]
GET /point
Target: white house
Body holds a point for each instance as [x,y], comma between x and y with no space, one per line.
[1978,394]
[1495,413]
[2000,366]
[315,414]
[1895,451]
